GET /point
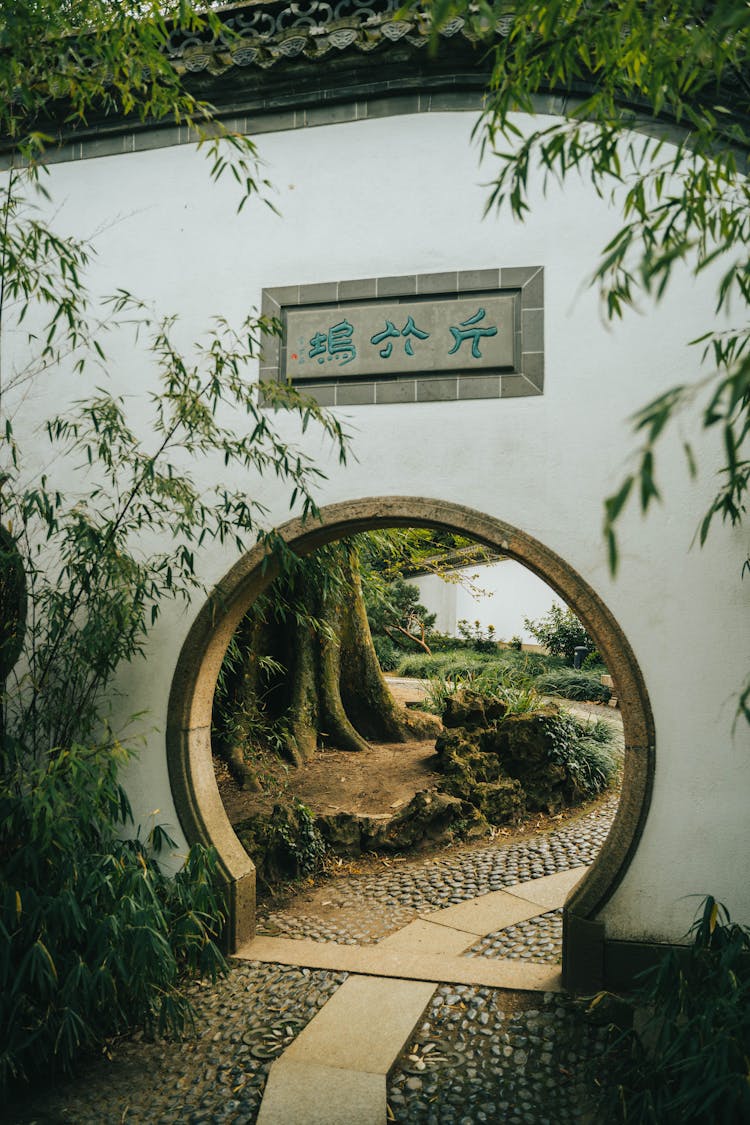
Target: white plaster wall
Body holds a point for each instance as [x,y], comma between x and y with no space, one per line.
[501,594]
[403,195]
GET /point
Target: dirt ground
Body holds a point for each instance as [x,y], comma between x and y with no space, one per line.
[376,782]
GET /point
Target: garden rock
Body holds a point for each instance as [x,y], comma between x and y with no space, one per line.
[471,710]
[505,766]
[430,815]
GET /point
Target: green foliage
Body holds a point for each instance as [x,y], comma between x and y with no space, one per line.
[523,667]
[93,936]
[395,612]
[387,652]
[494,683]
[449,665]
[593,662]
[686,1057]
[454,663]
[584,748]
[305,845]
[476,636]
[682,208]
[285,844]
[64,63]
[573,685]
[560,632]
[394,552]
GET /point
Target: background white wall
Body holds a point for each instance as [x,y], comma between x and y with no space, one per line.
[406,195]
[501,594]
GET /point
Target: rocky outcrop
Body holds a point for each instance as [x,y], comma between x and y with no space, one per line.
[502,764]
[430,815]
[291,841]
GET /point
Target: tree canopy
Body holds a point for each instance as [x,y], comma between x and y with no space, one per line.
[683,205]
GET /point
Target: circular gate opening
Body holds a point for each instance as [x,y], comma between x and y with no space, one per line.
[197,798]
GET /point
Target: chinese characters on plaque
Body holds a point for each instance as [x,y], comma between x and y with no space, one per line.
[381,339]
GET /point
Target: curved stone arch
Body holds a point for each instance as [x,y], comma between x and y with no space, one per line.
[194,787]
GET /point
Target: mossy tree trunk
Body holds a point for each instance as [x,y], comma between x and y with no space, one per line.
[315,674]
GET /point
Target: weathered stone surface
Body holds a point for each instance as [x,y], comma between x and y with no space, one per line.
[470,709]
[503,766]
[284,845]
[430,815]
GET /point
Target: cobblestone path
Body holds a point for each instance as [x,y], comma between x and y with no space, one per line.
[477,1055]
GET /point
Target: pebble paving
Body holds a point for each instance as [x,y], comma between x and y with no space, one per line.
[396,896]
[479,1054]
[473,1061]
[244,1022]
[536,939]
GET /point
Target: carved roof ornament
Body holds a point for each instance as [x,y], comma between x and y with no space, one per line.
[263,34]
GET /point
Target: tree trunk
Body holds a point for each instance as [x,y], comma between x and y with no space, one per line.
[335,725]
[304,710]
[332,690]
[365,694]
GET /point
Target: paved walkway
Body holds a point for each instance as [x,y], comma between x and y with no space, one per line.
[335,1071]
[424,992]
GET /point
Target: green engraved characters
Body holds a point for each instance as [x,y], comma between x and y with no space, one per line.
[391,332]
[337,342]
[469,330]
[414,338]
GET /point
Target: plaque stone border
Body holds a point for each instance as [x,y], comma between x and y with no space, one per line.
[527,379]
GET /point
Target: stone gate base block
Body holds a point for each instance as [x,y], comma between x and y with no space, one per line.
[583,953]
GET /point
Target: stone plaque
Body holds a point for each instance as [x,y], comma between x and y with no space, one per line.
[385,339]
[425,337]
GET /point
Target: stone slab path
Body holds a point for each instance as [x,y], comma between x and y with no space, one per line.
[475,1053]
[334,1073]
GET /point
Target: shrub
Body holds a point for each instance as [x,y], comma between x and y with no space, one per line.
[93,936]
[560,632]
[387,652]
[572,685]
[477,637]
[462,662]
[449,665]
[593,662]
[585,750]
[685,1059]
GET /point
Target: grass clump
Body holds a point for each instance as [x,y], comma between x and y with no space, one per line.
[448,665]
[570,684]
[684,1060]
[586,750]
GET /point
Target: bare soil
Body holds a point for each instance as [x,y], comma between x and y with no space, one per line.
[376,782]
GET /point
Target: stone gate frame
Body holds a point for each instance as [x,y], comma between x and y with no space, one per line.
[588,959]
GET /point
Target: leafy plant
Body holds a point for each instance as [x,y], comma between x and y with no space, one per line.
[305,845]
[573,685]
[560,631]
[395,613]
[93,936]
[477,637]
[685,1058]
[593,662]
[387,652]
[585,750]
[446,664]
[440,689]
